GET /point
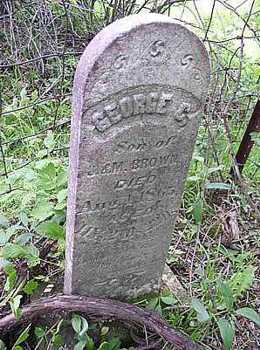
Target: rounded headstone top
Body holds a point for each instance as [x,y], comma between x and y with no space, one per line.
[141,50]
[138,91]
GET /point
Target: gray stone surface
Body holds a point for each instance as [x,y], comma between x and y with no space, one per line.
[138,91]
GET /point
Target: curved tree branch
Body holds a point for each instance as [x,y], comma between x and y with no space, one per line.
[99,309]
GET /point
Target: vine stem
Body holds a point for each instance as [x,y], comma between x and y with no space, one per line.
[97,309]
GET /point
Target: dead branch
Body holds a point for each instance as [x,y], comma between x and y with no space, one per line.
[97,309]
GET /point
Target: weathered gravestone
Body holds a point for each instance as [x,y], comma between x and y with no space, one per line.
[138,91]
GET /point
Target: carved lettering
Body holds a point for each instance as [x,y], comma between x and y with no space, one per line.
[182,114]
[144,145]
[144,163]
[120,61]
[152,100]
[112,113]
[142,191]
[187,60]
[139,104]
[99,206]
[157,48]
[117,167]
[135,182]
[107,168]
[137,91]
[126,107]
[129,106]
[162,104]
[131,147]
[102,123]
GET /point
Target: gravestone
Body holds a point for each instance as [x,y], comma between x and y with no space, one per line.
[138,92]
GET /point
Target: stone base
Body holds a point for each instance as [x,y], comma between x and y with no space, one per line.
[171,282]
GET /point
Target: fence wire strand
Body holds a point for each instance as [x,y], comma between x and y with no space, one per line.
[42,41]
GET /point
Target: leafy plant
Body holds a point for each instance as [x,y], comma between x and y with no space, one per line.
[15,305]
[202,313]
[84,341]
[250,314]
[225,301]
[21,339]
[227,332]
[30,287]
[160,301]
[35,142]
[241,281]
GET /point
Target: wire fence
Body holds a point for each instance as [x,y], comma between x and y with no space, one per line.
[41,42]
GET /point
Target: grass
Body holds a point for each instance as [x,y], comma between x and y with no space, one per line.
[215,243]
